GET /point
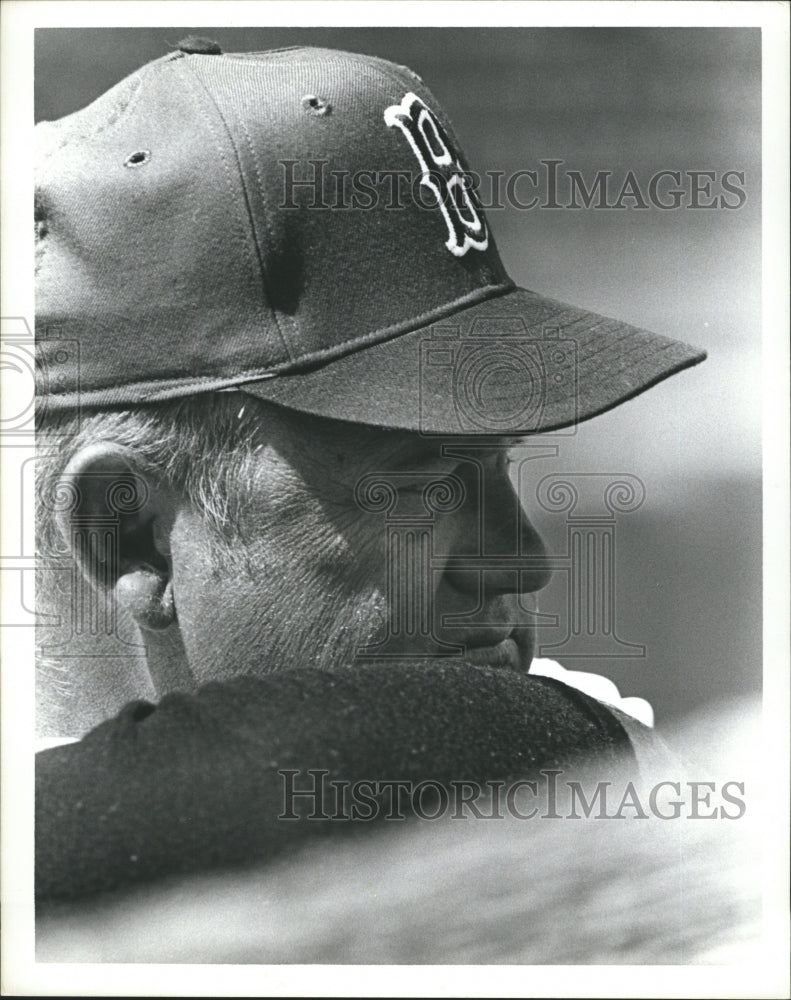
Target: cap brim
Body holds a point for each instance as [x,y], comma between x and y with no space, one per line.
[519,364]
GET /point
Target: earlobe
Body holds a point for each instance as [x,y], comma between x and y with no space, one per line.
[117,530]
[147,595]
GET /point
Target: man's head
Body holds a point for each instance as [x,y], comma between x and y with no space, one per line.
[283,409]
[241,536]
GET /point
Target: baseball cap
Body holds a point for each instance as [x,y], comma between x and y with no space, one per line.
[298,224]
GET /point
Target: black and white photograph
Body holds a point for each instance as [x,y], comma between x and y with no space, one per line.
[395,483]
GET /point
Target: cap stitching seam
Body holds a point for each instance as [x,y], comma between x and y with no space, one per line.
[261,269]
[556,424]
[125,104]
[118,111]
[264,276]
[238,226]
[378,337]
[367,340]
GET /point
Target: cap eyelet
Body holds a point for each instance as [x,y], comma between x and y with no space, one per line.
[316,105]
[138,158]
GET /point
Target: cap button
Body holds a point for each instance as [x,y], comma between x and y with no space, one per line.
[194,45]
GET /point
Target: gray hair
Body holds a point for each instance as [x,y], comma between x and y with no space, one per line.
[201,446]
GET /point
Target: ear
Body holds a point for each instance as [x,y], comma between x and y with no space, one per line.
[117,529]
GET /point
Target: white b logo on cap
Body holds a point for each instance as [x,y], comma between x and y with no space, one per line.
[442,173]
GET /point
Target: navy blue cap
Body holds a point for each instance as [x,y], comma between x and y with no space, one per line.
[297,224]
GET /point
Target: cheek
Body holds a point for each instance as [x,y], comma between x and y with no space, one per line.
[306,590]
[328,546]
[230,619]
[200,590]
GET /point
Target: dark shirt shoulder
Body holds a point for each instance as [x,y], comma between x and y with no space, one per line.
[199,780]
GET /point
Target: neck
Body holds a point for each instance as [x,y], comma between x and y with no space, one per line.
[167,661]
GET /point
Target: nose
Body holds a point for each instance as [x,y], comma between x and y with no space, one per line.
[493,538]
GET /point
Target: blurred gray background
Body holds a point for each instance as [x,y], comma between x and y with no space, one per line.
[689,560]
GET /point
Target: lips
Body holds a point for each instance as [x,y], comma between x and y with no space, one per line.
[510,640]
[503,654]
[514,652]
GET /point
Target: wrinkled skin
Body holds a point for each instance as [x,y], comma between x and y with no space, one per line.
[304,578]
